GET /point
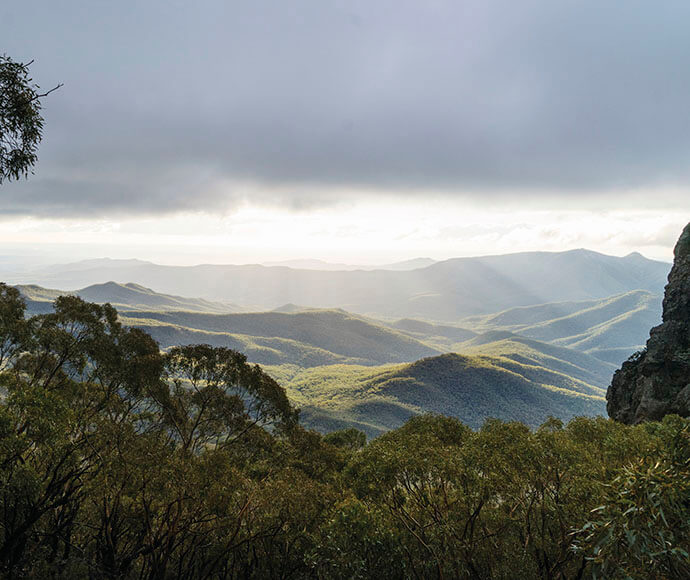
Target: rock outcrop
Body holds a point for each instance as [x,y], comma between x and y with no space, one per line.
[656,381]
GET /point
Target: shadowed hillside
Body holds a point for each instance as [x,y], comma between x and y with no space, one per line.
[471,388]
[335,331]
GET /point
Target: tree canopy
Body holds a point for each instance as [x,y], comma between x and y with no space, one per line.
[118,460]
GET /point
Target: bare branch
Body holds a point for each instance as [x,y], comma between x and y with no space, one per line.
[55,88]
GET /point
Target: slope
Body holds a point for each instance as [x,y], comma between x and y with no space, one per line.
[570,362]
[307,337]
[335,331]
[471,388]
[610,329]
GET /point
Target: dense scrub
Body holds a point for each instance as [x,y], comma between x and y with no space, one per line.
[118,461]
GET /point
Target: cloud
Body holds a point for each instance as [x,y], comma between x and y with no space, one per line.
[171,106]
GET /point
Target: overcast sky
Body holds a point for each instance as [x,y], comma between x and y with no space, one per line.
[368,130]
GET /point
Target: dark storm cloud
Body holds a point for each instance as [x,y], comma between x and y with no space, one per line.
[169,106]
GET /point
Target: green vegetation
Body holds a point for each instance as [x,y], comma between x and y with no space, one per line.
[21,123]
[471,388]
[337,366]
[335,331]
[609,329]
[308,337]
[575,364]
[120,461]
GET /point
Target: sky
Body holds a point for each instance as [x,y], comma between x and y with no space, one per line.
[363,131]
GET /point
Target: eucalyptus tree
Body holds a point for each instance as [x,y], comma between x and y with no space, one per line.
[21,122]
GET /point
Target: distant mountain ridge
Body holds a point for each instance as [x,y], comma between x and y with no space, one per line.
[444,291]
[125,297]
[310,264]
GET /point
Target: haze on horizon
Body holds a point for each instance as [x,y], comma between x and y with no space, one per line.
[362,132]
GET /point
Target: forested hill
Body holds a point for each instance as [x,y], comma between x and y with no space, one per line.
[444,291]
[307,338]
[610,329]
[471,388]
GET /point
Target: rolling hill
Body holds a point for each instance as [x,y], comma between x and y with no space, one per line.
[471,388]
[340,333]
[610,329]
[306,337]
[438,333]
[567,361]
[345,369]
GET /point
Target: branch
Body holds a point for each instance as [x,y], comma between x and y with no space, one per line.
[55,88]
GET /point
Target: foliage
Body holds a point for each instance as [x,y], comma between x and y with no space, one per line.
[120,461]
[645,520]
[21,123]
[352,439]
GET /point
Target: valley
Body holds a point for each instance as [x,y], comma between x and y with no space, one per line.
[525,362]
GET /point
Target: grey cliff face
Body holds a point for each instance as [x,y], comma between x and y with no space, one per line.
[657,382]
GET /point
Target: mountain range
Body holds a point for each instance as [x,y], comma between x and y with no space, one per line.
[444,291]
[311,264]
[446,351]
[124,297]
